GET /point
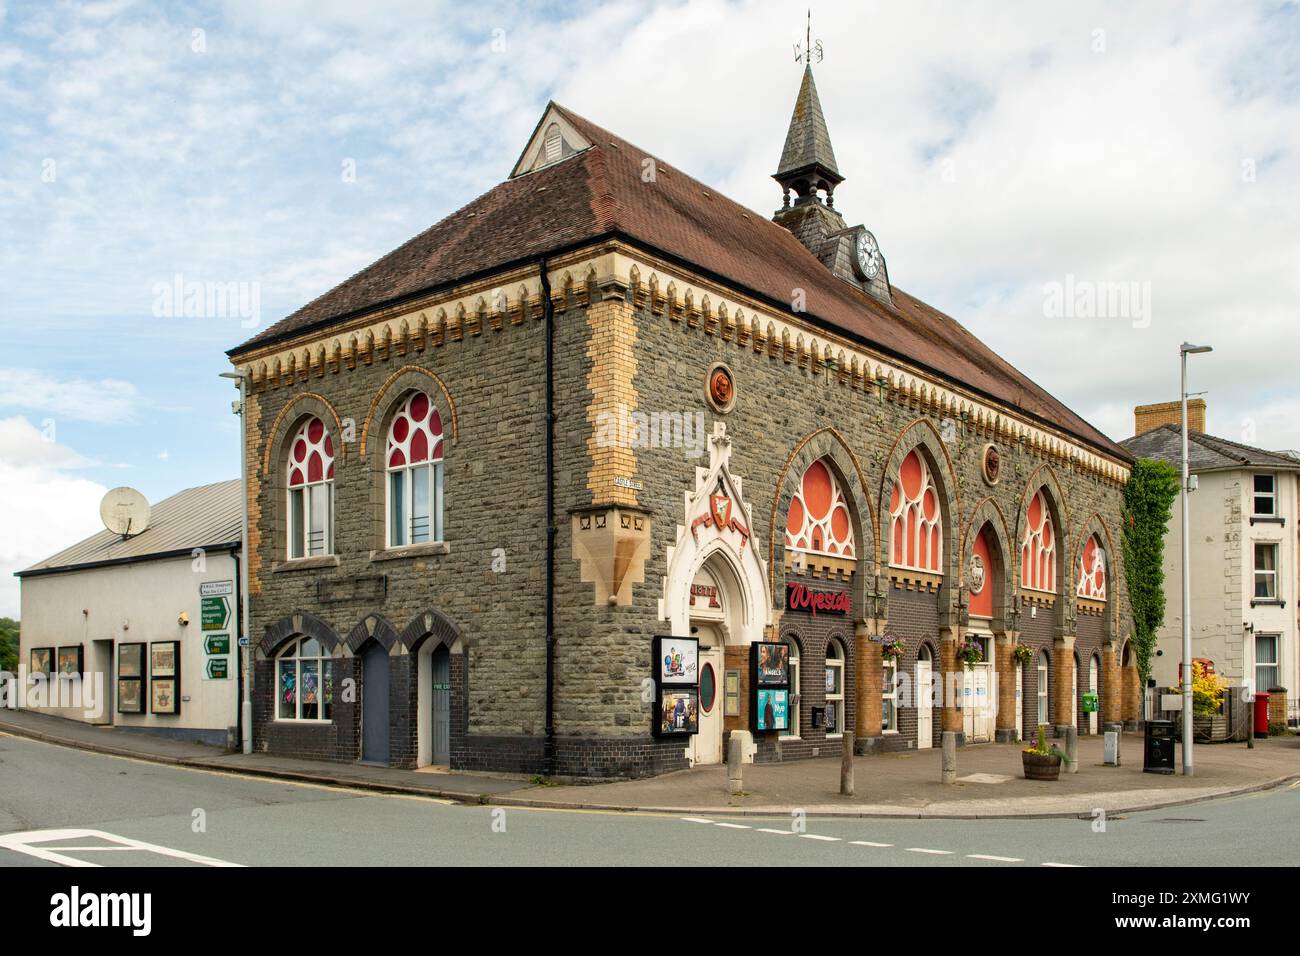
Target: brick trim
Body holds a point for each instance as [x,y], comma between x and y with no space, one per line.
[372,626]
[431,623]
[298,624]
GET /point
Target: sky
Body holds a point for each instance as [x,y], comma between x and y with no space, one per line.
[1083,185]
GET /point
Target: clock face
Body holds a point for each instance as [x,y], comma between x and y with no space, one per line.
[868,255]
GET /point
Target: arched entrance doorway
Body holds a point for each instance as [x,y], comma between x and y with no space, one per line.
[374,704]
[714,599]
[433,699]
[924,698]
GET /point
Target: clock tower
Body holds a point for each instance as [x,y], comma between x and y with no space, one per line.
[808,170]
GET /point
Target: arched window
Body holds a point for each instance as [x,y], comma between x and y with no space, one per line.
[793,707]
[834,688]
[311,491]
[818,520]
[414,458]
[1092,571]
[916,532]
[1038,547]
[1042,687]
[304,674]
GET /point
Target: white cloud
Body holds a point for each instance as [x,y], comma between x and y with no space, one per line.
[107,400]
[48,508]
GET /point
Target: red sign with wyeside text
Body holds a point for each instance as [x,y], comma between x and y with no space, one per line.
[800,597]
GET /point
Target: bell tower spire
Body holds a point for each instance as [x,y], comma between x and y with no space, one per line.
[807,161]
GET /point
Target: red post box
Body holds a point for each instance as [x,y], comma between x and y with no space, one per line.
[1261,714]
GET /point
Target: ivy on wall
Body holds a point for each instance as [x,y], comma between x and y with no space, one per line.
[1148,499]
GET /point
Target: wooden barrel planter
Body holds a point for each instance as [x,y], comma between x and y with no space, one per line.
[1041,766]
[1212,729]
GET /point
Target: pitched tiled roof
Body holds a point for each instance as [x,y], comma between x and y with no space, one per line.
[600,193]
[1204,452]
[208,516]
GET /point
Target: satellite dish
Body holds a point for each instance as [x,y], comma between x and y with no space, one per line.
[124,511]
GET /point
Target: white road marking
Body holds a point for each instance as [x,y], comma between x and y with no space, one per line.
[696,820]
[1071,865]
[734,826]
[921,849]
[818,836]
[26,843]
[777,832]
[997,859]
[868,843]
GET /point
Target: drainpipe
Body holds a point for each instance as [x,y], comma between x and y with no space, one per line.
[548,314]
[246,705]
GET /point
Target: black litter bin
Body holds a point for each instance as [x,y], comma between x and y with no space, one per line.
[1158,752]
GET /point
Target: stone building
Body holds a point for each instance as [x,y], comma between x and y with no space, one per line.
[602,404]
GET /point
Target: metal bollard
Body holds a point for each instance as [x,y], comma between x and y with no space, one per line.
[735,765]
[949,756]
[1072,749]
[846,765]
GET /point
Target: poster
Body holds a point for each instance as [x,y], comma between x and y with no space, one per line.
[129,698]
[772,665]
[162,661]
[773,710]
[69,661]
[679,712]
[163,696]
[42,660]
[677,661]
[130,660]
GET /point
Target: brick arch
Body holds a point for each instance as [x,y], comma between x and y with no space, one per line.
[1044,477]
[432,623]
[1094,524]
[406,378]
[298,624]
[921,435]
[297,408]
[372,626]
[988,512]
[824,444]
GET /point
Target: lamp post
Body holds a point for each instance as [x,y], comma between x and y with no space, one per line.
[1183,351]
[246,708]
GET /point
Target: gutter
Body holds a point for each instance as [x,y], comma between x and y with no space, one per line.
[133,559]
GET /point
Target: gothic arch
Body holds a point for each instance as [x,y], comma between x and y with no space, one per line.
[433,624]
[921,436]
[305,403]
[989,513]
[1044,477]
[406,378]
[1096,525]
[372,626]
[825,444]
[298,624]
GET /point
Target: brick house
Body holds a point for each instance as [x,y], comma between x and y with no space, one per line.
[603,403]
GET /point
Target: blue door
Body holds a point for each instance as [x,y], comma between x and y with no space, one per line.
[374,704]
[441,665]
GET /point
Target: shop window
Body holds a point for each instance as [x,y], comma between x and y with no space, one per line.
[818,519]
[1266,572]
[834,689]
[1042,686]
[311,491]
[1038,547]
[889,698]
[1266,662]
[916,529]
[795,697]
[414,459]
[304,682]
[1265,496]
[1092,571]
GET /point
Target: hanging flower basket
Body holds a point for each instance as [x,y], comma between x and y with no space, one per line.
[970,654]
[1022,654]
[891,649]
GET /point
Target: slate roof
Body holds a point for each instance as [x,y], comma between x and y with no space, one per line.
[208,517]
[808,141]
[1205,452]
[599,194]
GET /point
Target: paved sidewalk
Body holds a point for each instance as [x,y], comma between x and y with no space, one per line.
[990,781]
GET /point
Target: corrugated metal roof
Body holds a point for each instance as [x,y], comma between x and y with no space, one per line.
[1205,452]
[204,517]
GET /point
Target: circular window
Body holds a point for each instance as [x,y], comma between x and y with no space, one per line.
[708,687]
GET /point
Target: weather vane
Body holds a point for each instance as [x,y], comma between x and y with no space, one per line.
[809,49]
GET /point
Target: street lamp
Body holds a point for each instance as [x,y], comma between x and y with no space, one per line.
[1183,351]
[246,708]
